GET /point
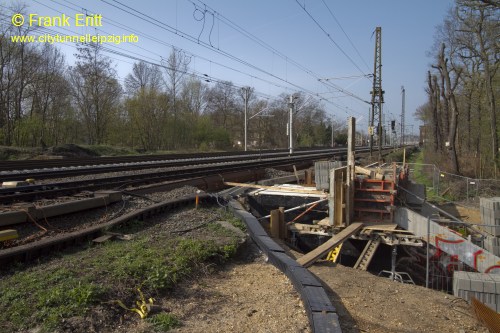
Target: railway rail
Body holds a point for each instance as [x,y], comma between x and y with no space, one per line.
[33,192]
[14,169]
[207,166]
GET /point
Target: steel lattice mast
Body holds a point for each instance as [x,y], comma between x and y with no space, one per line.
[377,94]
[403,116]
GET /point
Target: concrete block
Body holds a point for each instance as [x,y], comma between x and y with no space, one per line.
[79,205]
[10,218]
[489,286]
[464,294]
[476,285]
[497,299]
[464,284]
[113,196]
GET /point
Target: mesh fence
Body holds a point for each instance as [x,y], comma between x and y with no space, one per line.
[453,187]
[431,266]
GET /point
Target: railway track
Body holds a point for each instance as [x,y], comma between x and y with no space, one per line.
[198,168]
[34,192]
[72,166]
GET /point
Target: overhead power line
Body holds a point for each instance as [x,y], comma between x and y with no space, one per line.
[345,33]
[329,36]
[110,50]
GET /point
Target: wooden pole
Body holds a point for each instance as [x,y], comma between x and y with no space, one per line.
[275,223]
[282,226]
[350,169]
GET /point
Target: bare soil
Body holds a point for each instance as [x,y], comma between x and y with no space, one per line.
[253,296]
[247,296]
[367,303]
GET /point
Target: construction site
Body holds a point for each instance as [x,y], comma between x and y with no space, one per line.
[374,218]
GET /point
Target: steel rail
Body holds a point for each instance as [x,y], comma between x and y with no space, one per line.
[70,171]
[34,192]
[7,166]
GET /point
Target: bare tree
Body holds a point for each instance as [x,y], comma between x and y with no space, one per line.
[176,67]
[96,91]
[147,105]
[143,76]
[482,23]
[448,94]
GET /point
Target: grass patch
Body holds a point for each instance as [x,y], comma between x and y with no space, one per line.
[32,296]
[229,217]
[164,322]
[104,150]
[42,296]
[421,177]
[397,156]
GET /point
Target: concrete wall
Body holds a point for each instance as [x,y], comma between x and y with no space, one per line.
[448,241]
[484,287]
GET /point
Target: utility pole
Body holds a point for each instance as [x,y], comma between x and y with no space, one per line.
[377,93]
[291,104]
[403,116]
[246,92]
[332,131]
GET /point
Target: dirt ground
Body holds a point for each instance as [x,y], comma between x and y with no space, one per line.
[248,295]
[367,303]
[251,295]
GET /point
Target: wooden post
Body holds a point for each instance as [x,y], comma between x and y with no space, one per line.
[331,199]
[296,174]
[275,223]
[283,230]
[308,176]
[351,137]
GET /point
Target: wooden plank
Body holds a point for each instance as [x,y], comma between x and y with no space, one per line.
[320,252]
[340,177]
[283,231]
[8,234]
[370,173]
[102,238]
[382,227]
[275,223]
[276,188]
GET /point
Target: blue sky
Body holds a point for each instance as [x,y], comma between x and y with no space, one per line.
[408,29]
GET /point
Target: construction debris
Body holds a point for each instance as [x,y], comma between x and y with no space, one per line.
[320,252]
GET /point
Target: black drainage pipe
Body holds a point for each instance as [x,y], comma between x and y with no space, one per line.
[322,314]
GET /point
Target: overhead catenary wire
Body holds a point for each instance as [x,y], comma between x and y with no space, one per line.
[345,34]
[270,48]
[140,57]
[329,36]
[162,25]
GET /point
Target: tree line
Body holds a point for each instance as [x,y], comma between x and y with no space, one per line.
[46,102]
[461,117]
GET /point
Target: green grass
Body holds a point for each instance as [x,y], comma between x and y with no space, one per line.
[229,217]
[104,150]
[420,177]
[45,297]
[70,286]
[163,322]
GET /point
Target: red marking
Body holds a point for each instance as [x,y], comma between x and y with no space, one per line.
[453,263]
[448,241]
[476,254]
[489,269]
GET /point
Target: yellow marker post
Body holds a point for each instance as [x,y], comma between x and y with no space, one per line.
[197,199]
